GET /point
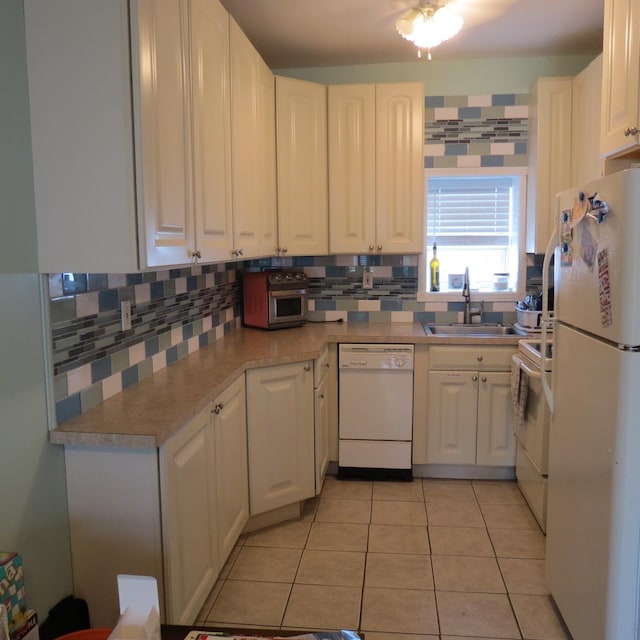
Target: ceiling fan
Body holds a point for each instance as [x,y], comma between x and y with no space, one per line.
[428,23]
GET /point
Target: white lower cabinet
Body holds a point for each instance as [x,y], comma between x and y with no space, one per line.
[469,407]
[322,407]
[188,507]
[280,416]
[229,420]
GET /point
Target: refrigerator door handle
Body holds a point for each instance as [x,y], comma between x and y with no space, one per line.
[547,318]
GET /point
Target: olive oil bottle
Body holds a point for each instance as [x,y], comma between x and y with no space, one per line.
[434,271]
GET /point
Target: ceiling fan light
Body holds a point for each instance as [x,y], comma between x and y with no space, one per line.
[427,27]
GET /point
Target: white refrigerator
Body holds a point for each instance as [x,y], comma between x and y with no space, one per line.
[593,527]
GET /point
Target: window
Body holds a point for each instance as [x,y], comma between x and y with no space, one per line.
[477,221]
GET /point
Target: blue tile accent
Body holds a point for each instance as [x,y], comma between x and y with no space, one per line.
[303,261]
[151,346]
[325,305]
[68,408]
[468,113]
[73,283]
[100,369]
[404,272]
[334,272]
[203,340]
[172,354]
[370,261]
[390,305]
[157,290]
[503,100]
[108,300]
[520,148]
[455,149]
[434,102]
[97,281]
[424,316]
[358,316]
[192,283]
[492,161]
[129,376]
[134,278]
[187,331]
[429,162]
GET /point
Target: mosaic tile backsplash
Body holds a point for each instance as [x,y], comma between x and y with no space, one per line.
[476,131]
[177,311]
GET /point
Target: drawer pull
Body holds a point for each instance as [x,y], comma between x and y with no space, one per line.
[479,358]
[218,408]
[631,131]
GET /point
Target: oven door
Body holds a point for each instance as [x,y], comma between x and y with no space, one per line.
[287,307]
[533,432]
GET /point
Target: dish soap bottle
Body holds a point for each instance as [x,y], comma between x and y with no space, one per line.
[434,270]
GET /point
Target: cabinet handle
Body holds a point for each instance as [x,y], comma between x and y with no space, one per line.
[307,367]
[321,396]
[379,247]
[484,378]
[196,254]
[284,249]
[327,365]
[474,378]
[234,253]
[240,252]
[631,131]
[218,408]
[479,358]
[371,247]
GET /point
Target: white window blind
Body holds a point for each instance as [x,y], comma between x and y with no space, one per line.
[471,210]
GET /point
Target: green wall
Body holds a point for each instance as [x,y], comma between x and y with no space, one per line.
[33,506]
[18,246]
[453,77]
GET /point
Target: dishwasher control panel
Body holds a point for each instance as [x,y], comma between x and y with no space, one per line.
[375,356]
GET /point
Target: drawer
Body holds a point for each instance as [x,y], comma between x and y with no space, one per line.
[468,357]
[320,367]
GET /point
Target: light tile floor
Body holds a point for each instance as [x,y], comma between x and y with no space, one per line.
[426,560]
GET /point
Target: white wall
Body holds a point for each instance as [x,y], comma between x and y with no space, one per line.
[454,77]
[33,502]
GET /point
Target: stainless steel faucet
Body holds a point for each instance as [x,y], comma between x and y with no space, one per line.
[469,311]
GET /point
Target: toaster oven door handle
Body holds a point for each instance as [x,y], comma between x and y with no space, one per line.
[286,293]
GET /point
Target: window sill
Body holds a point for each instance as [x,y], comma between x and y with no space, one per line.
[476,296]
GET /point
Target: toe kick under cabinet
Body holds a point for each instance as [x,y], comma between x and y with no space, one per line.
[469,406]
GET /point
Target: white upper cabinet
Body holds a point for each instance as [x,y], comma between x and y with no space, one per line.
[586,164]
[549,156]
[376,185]
[620,130]
[132,135]
[301,151]
[400,167]
[210,108]
[253,155]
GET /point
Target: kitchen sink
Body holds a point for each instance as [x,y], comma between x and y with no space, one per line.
[479,329]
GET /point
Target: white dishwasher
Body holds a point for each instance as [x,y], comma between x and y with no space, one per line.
[375,410]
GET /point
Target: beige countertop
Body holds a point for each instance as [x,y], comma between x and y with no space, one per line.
[148,413]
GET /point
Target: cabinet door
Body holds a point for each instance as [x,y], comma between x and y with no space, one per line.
[400,191]
[352,187]
[453,398]
[321,431]
[549,156]
[231,476]
[165,188]
[253,156]
[301,148]
[586,103]
[496,442]
[280,434]
[188,519]
[211,103]
[620,77]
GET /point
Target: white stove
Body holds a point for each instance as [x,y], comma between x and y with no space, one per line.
[531,425]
